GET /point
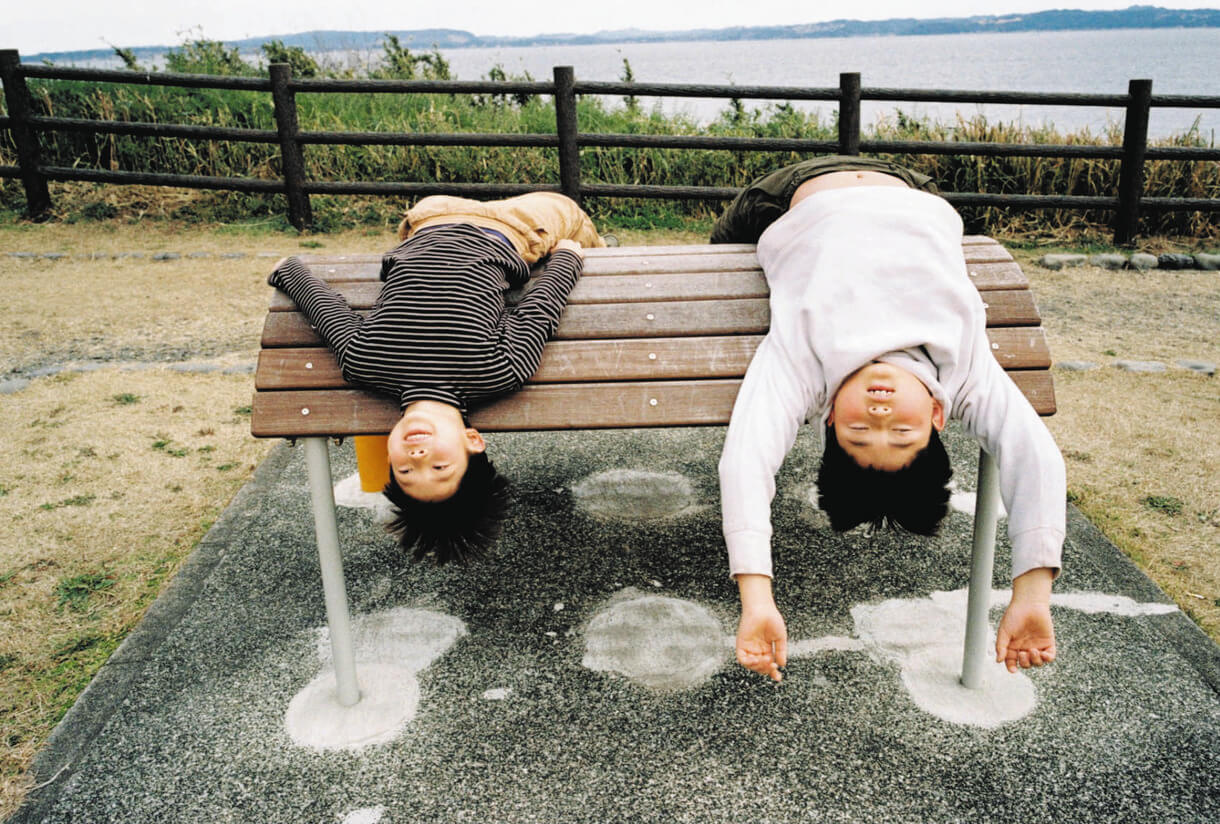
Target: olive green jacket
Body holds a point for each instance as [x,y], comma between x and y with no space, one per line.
[766,198]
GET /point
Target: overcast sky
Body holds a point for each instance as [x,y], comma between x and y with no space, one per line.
[70,25]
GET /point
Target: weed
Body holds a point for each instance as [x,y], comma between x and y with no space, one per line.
[1109,353]
[74,645]
[76,500]
[126,399]
[74,591]
[1164,503]
[244,411]
[7,659]
[4,490]
[312,244]
[162,444]
[225,467]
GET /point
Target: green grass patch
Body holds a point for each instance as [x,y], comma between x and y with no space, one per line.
[75,591]
[75,500]
[1164,503]
[125,399]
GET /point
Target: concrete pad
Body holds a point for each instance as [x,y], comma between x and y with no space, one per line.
[544,695]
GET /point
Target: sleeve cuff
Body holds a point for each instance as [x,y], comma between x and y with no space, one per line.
[749,553]
[1037,548]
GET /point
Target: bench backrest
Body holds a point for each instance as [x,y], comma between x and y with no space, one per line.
[652,336]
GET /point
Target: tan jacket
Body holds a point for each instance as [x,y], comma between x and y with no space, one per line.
[532,222]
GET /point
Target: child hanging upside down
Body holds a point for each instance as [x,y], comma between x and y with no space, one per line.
[877,333]
[440,339]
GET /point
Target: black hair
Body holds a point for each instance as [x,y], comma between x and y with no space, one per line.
[458,528]
[915,497]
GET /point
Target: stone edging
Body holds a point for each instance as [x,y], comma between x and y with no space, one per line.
[1201,367]
[140,255]
[1139,261]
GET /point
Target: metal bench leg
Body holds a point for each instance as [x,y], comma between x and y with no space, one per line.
[322,494]
[978,604]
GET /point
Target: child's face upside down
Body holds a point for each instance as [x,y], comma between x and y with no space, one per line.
[429,450]
[883,415]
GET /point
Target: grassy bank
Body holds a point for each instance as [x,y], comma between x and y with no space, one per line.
[531,114]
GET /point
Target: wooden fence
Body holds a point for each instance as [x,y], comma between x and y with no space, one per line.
[1127,203]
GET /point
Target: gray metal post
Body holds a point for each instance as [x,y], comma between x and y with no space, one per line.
[17,98]
[566,128]
[976,654]
[849,113]
[322,495]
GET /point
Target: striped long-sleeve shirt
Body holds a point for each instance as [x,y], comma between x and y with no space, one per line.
[440,329]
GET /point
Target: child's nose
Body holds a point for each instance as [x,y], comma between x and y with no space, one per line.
[879,409]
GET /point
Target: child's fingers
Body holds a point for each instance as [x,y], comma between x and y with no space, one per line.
[781,652]
[1001,646]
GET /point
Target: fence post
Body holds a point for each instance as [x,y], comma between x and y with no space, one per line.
[17,97]
[849,113]
[566,128]
[1131,173]
[300,214]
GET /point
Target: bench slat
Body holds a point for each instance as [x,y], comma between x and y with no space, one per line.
[1004,308]
[622,360]
[985,274]
[299,414]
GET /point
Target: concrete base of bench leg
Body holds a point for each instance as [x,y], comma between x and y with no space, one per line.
[982,561]
[322,495]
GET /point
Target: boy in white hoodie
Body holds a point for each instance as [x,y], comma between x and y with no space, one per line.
[877,332]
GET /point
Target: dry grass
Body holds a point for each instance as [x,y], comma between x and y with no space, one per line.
[109,478]
[1142,449]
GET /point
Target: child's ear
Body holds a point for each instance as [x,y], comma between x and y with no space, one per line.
[938,415]
[474,441]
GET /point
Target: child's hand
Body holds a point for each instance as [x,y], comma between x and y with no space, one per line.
[762,640]
[571,246]
[1026,637]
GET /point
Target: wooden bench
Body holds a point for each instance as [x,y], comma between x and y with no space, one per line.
[651,337]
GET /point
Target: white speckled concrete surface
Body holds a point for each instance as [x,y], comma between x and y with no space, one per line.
[187,721]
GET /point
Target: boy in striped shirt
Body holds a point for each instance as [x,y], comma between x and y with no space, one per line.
[441,338]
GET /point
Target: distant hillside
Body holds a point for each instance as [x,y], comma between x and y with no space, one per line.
[1135,17]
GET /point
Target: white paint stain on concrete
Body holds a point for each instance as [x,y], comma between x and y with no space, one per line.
[497,693]
[389,698]
[411,638]
[348,493]
[635,495]
[924,636]
[663,643]
[964,501]
[365,815]
[390,648]
[827,643]
[674,644]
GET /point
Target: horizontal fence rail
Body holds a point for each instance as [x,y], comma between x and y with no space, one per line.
[1127,203]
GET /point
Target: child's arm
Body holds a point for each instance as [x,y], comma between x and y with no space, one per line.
[1026,636]
[327,311]
[535,317]
[770,406]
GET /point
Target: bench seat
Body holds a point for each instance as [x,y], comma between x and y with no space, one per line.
[651,336]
